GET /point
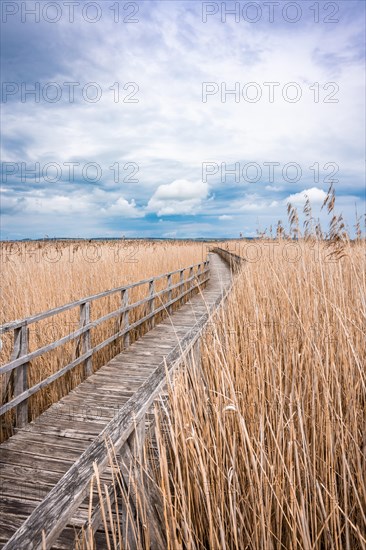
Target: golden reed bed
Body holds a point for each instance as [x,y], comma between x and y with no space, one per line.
[262,444]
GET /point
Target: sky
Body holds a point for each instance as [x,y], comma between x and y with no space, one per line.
[178,119]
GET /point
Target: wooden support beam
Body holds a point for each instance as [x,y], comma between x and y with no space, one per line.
[125,318]
[170,294]
[55,311]
[21,374]
[137,485]
[151,303]
[191,274]
[85,337]
[181,279]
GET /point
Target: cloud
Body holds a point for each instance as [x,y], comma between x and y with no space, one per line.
[315,195]
[123,208]
[170,132]
[225,217]
[254,203]
[273,188]
[178,197]
[96,203]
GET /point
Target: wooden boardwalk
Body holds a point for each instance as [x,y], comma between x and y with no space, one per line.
[34,460]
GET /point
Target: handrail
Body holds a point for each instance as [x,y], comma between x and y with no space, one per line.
[235,261]
[55,311]
[92,324]
[21,357]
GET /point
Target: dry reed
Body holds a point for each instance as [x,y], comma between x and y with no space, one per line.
[262,445]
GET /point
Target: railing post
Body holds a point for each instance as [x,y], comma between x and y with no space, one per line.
[200,269]
[151,302]
[125,318]
[85,337]
[20,374]
[189,276]
[136,440]
[181,280]
[207,266]
[170,294]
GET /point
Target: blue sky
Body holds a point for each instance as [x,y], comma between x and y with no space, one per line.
[172,141]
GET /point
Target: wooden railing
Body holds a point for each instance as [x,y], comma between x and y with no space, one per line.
[21,357]
[235,262]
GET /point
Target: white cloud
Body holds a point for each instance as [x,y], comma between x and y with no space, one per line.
[123,208]
[98,203]
[178,197]
[225,217]
[173,77]
[315,195]
[273,188]
[254,203]
[56,204]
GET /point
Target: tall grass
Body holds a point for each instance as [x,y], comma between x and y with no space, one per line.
[262,444]
[266,438]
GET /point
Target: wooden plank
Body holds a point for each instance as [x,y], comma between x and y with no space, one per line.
[19,490]
[101,384]
[79,430]
[235,262]
[51,464]
[99,392]
[25,438]
[90,411]
[121,371]
[36,490]
[67,541]
[28,474]
[39,449]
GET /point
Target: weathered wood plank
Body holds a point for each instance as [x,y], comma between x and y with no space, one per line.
[25,438]
[50,464]
[81,430]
